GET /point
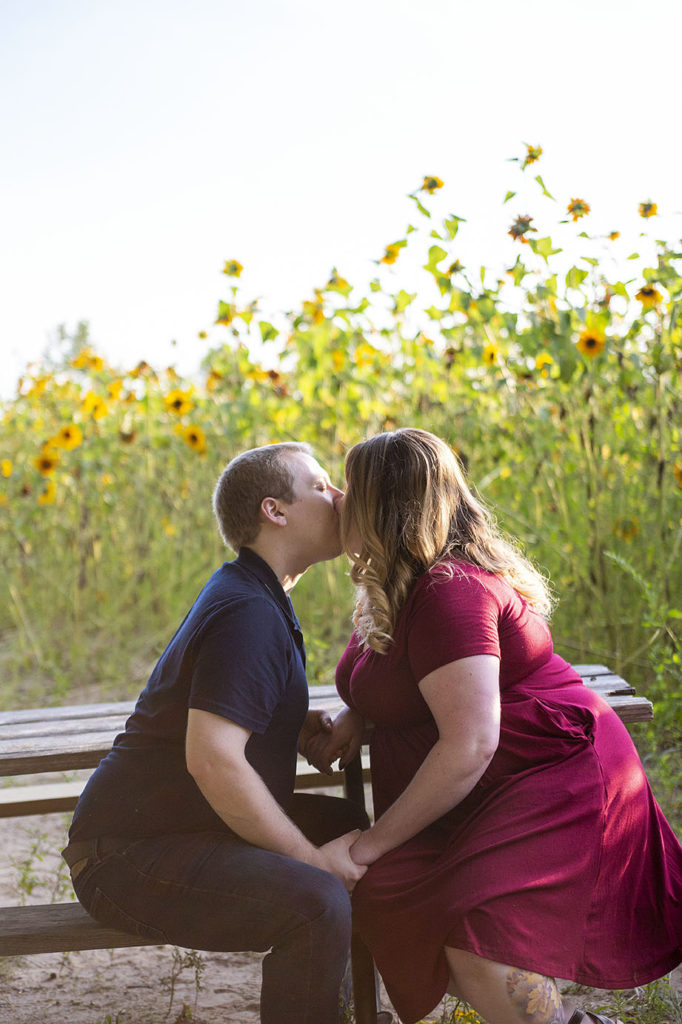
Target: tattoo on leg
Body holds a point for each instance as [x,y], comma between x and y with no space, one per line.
[534,997]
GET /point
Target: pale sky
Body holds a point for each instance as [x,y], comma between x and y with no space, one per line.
[146,142]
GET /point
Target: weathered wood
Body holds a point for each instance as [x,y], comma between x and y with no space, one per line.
[44,798]
[57,928]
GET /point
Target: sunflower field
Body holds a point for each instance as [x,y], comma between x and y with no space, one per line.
[556,378]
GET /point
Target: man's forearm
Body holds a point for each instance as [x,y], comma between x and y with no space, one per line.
[240,797]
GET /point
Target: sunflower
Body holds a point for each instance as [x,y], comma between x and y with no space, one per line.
[195,438]
[613,235]
[391,254]
[543,361]
[430,184]
[114,388]
[519,228]
[48,495]
[232,268]
[69,437]
[649,296]
[591,343]
[87,360]
[213,380]
[47,461]
[6,467]
[365,354]
[578,208]
[313,310]
[490,354]
[178,402]
[336,281]
[143,369]
[533,153]
[648,209]
[95,406]
[626,528]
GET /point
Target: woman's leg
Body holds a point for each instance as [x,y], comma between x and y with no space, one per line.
[502,994]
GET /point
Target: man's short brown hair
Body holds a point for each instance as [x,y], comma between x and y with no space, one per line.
[256,474]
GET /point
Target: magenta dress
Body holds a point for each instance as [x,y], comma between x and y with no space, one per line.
[559,861]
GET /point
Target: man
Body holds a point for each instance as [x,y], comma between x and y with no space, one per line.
[189,831]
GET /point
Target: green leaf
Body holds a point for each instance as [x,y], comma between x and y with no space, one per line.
[543,247]
[422,209]
[451,225]
[434,313]
[267,331]
[436,254]
[542,185]
[633,256]
[434,234]
[403,300]
[591,260]
[225,313]
[509,195]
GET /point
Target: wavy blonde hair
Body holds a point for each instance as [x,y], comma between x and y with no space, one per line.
[408,508]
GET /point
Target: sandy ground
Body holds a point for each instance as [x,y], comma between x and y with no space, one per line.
[121,986]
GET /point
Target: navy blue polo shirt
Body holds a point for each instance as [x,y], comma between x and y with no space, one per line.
[238,654]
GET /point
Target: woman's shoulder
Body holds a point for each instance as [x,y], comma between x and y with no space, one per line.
[457,580]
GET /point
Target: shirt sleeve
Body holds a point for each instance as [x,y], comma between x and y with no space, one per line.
[241,665]
[451,618]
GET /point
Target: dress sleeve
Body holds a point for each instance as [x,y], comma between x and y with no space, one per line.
[451,618]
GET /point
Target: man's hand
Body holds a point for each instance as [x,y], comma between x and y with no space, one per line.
[342,742]
[316,729]
[335,857]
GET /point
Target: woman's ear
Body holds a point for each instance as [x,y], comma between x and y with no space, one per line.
[272,512]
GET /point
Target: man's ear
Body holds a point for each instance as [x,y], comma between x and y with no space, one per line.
[273,512]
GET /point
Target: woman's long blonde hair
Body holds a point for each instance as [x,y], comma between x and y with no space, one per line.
[409,505]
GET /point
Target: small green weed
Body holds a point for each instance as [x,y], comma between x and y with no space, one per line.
[185,959]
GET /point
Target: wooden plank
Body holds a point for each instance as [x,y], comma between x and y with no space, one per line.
[45,798]
[51,797]
[26,762]
[56,928]
[632,709]
[66,711]
[107,724]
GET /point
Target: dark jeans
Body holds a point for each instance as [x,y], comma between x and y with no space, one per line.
[213,891]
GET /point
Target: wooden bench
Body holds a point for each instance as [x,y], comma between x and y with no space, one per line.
[68,738]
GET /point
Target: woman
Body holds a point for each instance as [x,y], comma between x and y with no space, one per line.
[516,837]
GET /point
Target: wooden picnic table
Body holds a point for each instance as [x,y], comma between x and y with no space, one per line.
[65,739]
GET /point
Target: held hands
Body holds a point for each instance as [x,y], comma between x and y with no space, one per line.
[335,857]
[316,730]
[341,740]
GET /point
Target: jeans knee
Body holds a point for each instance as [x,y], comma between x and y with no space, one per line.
[328,911]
